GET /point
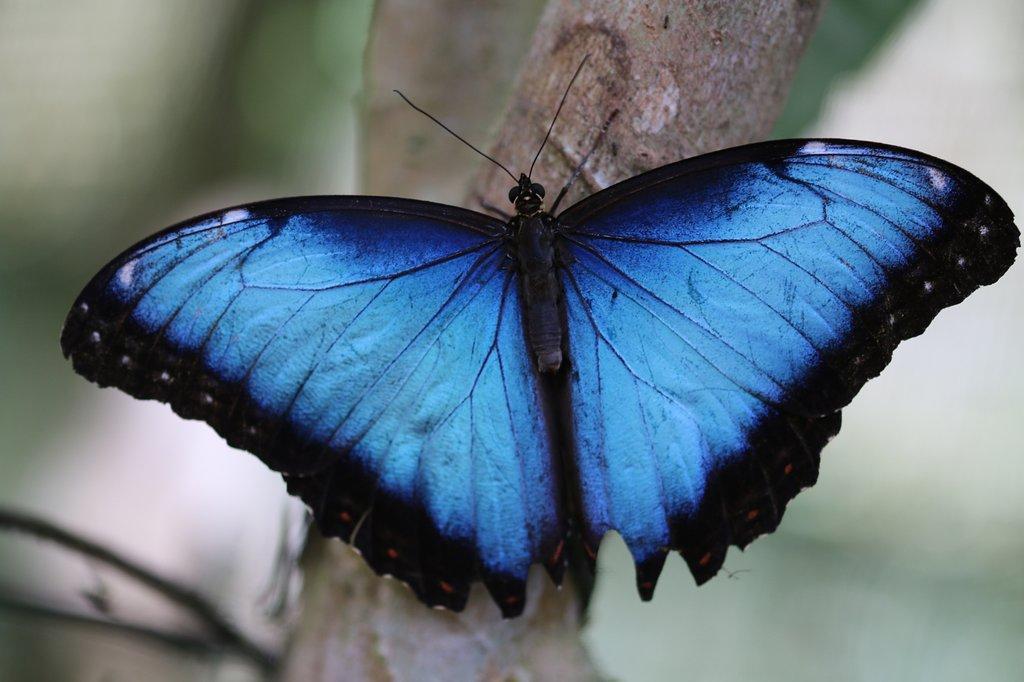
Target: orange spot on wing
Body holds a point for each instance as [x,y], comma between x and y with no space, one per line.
[753,514]
[345,517]
[705,560]
[446,587]
[789,469]
[558,552]
[392,553]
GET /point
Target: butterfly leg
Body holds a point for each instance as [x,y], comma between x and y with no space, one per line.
[563,256]
[511,262]
[487,206]
[583,162]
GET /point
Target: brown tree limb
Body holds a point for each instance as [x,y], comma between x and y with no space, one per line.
[222,633]
[686,78]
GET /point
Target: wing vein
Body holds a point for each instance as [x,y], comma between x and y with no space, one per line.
[710,332]
[458,289]
[691,242]
[455,255]
[603,338]
[534,542]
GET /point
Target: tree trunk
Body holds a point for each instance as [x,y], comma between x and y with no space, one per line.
[682,78]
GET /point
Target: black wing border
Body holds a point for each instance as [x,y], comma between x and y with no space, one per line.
[760,152]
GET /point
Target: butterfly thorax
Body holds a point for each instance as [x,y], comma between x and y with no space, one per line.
[533,245]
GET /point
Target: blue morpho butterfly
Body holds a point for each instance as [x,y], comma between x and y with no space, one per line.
[452,393]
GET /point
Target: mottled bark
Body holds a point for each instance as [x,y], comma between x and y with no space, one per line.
[685,78]
[456,59]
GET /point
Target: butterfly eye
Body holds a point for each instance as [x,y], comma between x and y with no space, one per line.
[537,189]
[513,194]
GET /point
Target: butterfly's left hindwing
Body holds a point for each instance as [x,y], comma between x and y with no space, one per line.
[722,310]
[371,350]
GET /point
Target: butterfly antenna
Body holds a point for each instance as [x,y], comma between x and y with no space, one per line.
[557,112]
[458,137]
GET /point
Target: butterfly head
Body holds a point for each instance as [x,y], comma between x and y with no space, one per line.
[526,195]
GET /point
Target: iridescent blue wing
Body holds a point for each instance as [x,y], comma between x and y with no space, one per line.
[371,350]
[723,309]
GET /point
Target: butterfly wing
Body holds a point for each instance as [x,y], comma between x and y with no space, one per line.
[723,309]
[370,350]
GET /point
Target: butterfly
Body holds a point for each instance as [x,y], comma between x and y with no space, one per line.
[458,396]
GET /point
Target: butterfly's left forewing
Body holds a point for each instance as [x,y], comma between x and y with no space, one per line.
[370,350]
[722,310]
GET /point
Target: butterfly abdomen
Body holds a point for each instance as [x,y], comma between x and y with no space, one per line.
[541,290]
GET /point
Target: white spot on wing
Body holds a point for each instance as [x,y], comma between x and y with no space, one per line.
[233,216]
[814,147]
[126,274]
[939,180]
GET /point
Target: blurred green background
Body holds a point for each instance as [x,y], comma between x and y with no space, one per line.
[118,117]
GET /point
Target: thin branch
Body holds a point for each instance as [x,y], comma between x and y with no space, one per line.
[183,642]
[224,633]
